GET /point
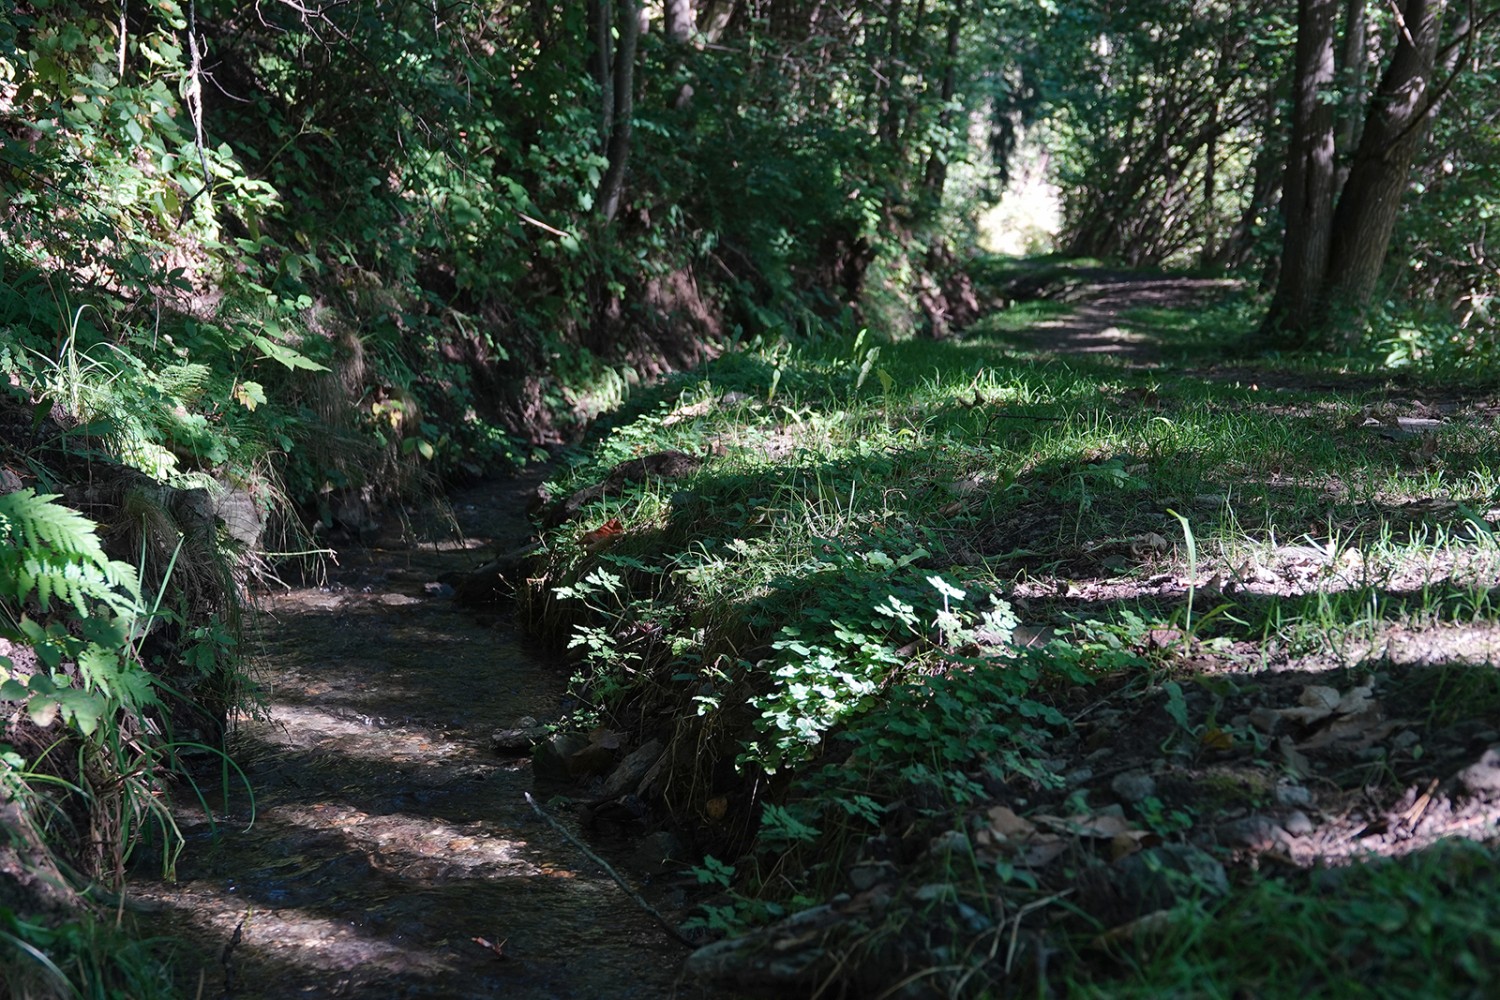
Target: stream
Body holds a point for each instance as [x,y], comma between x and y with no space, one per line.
[392,853]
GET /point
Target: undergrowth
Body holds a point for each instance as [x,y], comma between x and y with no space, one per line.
[859,620]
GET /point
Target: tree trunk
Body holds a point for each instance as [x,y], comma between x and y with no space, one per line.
[1352,79]
[1307,192]
[612,186]
[680,21]
[1396,125]
[681,25]
[601,56]
[936,175]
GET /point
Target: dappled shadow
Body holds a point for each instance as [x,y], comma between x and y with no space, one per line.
[392,853]
[1097,327]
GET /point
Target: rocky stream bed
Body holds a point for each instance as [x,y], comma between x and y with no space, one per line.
[392,852]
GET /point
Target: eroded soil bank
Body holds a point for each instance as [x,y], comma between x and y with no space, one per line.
[392,853]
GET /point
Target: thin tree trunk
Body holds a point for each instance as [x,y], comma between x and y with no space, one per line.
[936,176]
[1307,192]
[601,57]
[681,24]
[1352,78]
[612,186]
[1396,125]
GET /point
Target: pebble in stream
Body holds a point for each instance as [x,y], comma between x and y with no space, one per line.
[392,855]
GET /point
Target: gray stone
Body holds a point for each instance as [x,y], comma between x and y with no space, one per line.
[1288,794]
[1253,833]
[1133,786]
[626,777]
[549,759]
[1298,824]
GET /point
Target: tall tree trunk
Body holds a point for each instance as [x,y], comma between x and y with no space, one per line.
[679,18]
[714,17]
[1396,125]
[1307,192]
[612,186]
[1352,79]
[936,175]
[681,25]
[601,62]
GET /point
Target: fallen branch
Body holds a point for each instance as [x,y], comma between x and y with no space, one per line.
[635,897]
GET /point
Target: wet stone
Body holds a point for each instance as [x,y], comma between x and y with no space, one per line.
[627,776]
[549,761]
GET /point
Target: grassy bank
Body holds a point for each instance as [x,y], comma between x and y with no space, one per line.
[922,606]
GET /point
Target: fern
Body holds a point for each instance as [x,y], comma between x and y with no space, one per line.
[54,552]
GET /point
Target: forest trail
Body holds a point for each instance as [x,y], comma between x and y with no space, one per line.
[1100,325]
[392,852]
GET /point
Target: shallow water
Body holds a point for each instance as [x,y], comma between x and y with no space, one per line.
[392,854]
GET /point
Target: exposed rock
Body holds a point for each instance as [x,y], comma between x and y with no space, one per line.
[1483,776]
[1252,833]
[626,777]
[1133,786]
[549,760]
[520,738]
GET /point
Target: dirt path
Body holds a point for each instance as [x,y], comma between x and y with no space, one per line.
[392,853]
[1096,325]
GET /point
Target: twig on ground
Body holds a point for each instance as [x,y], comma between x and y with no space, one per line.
[635,897]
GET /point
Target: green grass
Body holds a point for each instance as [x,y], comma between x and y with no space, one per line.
[819,618]
[1421,926]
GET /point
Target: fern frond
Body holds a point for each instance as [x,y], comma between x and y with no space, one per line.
[55,552]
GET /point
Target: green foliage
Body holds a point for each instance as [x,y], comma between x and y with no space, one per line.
[1413,927]
[51,551]
[82,957]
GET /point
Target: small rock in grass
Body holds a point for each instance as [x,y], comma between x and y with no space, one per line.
[1483,776]
[1253,833]
[1078,776]
[1298,824]
[1133,786]
[1293,795]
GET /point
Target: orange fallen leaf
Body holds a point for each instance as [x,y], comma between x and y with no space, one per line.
[602,537]
[1217,739]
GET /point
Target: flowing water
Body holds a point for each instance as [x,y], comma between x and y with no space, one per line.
[392,854]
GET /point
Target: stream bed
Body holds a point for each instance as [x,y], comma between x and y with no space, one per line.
[392,853]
